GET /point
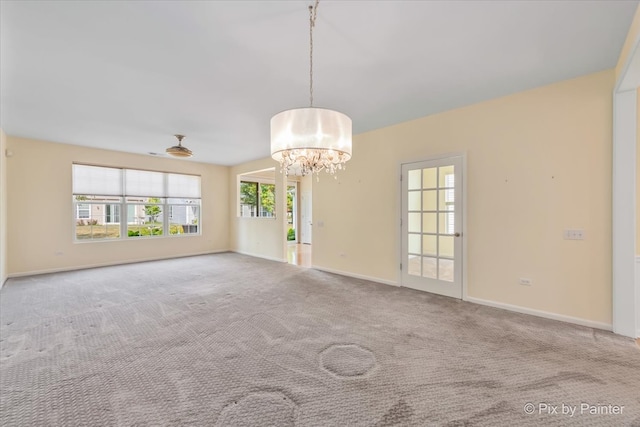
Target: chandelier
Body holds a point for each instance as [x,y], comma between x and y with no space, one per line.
[179,150]
[308,140]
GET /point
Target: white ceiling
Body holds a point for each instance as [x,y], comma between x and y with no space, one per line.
[127,75]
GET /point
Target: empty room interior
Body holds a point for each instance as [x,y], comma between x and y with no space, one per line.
[319,213]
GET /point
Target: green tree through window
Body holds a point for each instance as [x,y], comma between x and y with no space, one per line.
[257,199]
[153,211]
[268,199]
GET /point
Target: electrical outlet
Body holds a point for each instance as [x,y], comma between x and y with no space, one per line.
[525,281]
[573,234]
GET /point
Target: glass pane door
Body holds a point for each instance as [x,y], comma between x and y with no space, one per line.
[430,226]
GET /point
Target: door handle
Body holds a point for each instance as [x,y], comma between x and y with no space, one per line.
[457,234]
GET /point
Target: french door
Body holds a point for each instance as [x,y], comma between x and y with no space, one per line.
[432,226]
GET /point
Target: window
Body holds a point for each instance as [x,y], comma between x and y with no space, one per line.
[257,199]
[93,217]
[257,194]
[148,220]
[100,194]
[248,198]
[83,211]
[183,216]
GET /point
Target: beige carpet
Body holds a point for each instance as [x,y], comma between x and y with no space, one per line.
[231,340]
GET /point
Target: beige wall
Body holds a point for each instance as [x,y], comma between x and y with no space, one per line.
[262,237]
[3,208]
[638,176]
[629,44]
[538,162]
[40,231]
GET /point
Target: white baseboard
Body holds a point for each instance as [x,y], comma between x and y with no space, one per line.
[509,307]
[356,276]
[637,277]
[109,264]
[261,256]
[540,313]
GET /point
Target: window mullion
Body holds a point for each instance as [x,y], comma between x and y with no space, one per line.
[124,208]
[165,206]
[124,218]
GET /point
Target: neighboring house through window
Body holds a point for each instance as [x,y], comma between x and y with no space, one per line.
[112,214]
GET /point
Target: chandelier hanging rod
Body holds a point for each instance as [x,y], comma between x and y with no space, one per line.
[313,12]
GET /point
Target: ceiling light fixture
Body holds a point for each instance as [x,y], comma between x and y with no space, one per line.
[179,150]
[308,140]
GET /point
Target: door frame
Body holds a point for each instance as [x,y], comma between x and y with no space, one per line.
[295,212]
[463,237]
[306,212]
[625,261]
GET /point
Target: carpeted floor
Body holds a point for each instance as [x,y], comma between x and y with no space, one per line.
[231,340]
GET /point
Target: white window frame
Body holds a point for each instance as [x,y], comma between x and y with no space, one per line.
[124,202]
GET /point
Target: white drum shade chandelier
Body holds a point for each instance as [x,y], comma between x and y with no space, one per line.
[308,140]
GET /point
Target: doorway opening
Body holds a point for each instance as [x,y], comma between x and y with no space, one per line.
[299,220]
